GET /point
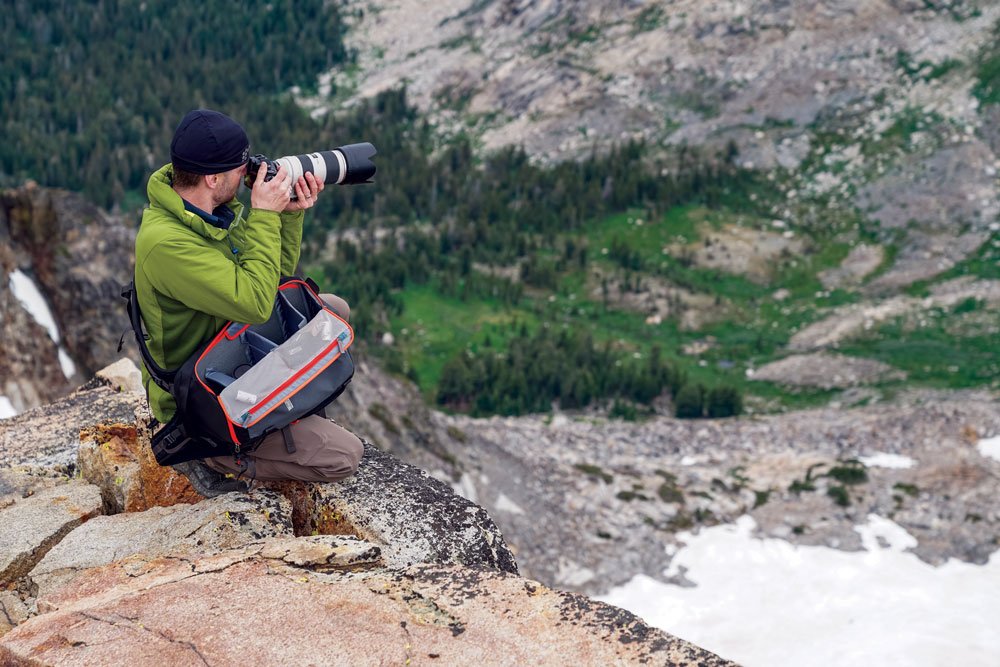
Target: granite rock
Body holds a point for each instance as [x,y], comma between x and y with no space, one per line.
[116,456]
[49,436]
[244,607]
[414,517]
[30,527]
[213,525]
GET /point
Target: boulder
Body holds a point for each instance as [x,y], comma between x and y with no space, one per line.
[252,606]
[414,517]
[12,612]
[49,436]
[31,526]
[116,457]
[123,375]
[213,525]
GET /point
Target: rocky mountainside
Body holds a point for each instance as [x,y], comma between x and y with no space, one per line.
[77,256]
[128,563]
[587,502]
[559,76]
[873,230]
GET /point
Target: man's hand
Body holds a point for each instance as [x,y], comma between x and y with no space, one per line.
[272,195]
[307,190]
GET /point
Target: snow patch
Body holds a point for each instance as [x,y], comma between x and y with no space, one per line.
[990,448]
[505,504]
[26,291]
[769,602]
[31,298]
[66,363]
[7,408]
[466,488]
[884,460]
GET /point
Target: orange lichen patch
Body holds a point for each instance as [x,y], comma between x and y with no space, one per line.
[970,434]
[117,441]
[156,485]
[331,522]
[117,458]
[309,515]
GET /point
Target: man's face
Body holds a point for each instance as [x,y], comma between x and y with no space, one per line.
[230,184]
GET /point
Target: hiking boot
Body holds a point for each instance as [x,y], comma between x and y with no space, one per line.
[208,482]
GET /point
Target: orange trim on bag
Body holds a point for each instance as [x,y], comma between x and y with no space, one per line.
[237,335]
[229,422]
[197,374]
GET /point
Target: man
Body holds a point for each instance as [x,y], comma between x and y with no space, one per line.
[199,263]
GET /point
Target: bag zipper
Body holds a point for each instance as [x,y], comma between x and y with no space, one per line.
[284,385]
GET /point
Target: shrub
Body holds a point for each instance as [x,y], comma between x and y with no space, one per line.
[724,402]
[690,402]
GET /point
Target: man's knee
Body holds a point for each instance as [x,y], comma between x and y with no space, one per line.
[350,451]
[339,305]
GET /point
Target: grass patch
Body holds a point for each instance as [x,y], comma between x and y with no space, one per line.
[594,471]
[670,493]
[987,87]
[839,495]
[849,472]
[931,354]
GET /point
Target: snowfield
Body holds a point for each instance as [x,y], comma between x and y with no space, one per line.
[768,602]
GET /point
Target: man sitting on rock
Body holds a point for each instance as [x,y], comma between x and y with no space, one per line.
[200,263]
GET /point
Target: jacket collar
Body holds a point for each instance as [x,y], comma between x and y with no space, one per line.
[162,195]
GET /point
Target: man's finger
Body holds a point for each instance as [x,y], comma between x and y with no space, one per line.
[316,185]
[261,174]
[282,176]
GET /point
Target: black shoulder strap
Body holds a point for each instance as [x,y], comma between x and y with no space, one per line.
[162,377]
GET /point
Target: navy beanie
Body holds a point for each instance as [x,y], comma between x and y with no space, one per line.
[209,142]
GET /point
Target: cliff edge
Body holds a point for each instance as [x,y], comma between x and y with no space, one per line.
[106,557]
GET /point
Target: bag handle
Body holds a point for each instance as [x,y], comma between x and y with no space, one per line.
[163,378]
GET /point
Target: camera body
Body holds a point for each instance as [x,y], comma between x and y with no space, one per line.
[345,165]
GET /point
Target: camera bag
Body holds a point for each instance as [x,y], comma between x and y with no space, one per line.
[249,381]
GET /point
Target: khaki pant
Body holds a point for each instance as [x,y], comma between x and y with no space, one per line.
[324,451]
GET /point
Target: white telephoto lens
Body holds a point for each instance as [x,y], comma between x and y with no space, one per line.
[318,166]
[343,166]
[294,169]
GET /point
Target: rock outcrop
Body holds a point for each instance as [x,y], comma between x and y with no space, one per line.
[254,605]
[824,370]
[179,531]
[388,566]
[79,256]
[32,526]
[49,436]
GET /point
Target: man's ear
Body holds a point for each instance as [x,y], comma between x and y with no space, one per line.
[212,180]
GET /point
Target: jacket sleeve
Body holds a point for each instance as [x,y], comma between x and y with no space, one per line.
[204,279]
[291,241]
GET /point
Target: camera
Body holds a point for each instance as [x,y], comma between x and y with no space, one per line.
[345,165]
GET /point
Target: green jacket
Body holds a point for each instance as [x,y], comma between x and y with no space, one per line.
[192,277]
